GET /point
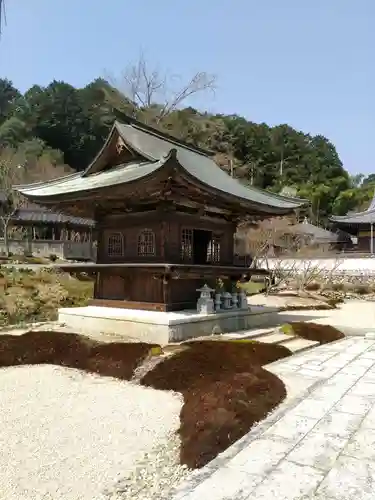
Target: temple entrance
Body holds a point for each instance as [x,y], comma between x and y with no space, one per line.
[201,240]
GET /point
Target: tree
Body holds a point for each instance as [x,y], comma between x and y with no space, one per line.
[59,115]
[370,179]
[12,132]
[11,173]
[74,122]
[154,91]
[357,180]
[21,167]
[8,96]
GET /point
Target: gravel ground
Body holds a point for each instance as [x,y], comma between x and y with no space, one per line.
[68,435]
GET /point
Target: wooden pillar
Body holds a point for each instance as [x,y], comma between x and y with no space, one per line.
[371,238]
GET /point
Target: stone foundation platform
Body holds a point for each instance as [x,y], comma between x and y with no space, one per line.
[162,327]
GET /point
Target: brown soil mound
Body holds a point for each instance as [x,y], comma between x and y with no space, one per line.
[210,360]
[116,359]
[225,392]
[313,331]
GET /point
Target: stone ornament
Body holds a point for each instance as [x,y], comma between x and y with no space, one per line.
[205,303]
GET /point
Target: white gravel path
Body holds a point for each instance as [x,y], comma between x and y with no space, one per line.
[68,435]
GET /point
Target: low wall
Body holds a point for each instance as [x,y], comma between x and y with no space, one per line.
[73,250]
[68,250]
[339,265]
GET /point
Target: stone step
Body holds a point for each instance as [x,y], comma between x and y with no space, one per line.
[254,333]
[274,338]
[298,344]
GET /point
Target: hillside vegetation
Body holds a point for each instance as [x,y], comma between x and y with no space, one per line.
[28,296]
[64,127]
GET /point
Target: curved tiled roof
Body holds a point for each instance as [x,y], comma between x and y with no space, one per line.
[319,234]
[49,217]
[155,149]
[366,217]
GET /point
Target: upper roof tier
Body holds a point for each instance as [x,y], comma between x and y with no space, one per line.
[148,153]
[359,218]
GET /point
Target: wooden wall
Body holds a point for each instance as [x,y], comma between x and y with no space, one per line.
[167,231]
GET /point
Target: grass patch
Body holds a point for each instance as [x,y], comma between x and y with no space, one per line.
[117,359]
[323,334]
[252,287]
[225,392]
[27,296]
[26,259]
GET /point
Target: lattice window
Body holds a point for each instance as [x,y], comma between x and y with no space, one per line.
[213,250]
[115,245]
[146,243]
[187,244]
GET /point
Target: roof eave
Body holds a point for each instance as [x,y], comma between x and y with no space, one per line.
[78,195]
[246,203]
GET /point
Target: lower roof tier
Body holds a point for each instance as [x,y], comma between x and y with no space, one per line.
[150,156]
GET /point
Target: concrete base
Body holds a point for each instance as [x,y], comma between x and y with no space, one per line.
[162,327]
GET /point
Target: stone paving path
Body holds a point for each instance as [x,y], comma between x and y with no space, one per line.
[318,445]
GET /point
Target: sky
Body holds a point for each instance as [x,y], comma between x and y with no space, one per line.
[302,62]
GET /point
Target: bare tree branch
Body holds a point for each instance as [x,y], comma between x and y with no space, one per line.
[149,87]
[200,82]
[11,173]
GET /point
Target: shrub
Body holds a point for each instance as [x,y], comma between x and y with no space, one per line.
[362,289]
[313,331]
[118,359]
[53,257]
[349,287]
[313,286]
[218,413]
[338,287]
[225,392]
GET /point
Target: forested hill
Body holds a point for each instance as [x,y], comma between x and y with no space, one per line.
[67,125]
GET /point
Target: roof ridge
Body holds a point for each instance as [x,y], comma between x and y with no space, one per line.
[163,135]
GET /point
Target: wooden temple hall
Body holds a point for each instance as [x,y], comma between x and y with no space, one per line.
[165,216]
[361,225]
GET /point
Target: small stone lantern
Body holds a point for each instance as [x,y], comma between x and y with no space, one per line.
[205,303]
[217,301]
[234,300]
[227,300]
[242,300]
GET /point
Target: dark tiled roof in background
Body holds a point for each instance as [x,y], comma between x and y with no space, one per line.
[35,213]
[317,233]
[353,218]
[48,217]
